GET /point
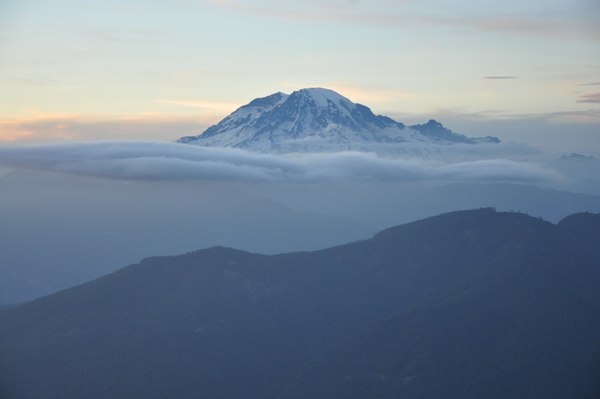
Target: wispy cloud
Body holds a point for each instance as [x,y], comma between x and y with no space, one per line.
[593,98]
[170,161]
[590,84]
[44,128]
[35,81]
[484,17]
[499,77]
[212,105]
[589,116]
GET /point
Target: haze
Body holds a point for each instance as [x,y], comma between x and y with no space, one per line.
[93,96]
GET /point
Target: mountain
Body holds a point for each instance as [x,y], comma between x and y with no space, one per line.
[473,345]
[84,228]
[318,120]
[457,304]
[583,172]
[578,166]
[500,336]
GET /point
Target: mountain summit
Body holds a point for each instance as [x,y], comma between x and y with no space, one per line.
[320,120]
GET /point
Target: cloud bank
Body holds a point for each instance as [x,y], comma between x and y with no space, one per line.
[123,160]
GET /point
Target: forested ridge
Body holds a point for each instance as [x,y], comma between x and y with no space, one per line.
[466,304]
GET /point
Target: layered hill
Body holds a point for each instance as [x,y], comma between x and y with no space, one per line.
[82,229]
[321,120]
[449,306]
[503,335]
[582,172]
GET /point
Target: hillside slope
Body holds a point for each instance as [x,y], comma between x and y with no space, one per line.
[222,323]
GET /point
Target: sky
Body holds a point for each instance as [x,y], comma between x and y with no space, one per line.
[527,71]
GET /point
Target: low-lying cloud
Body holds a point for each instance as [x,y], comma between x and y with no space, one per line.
[122,160]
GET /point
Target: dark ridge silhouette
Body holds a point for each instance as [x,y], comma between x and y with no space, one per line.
[466,304]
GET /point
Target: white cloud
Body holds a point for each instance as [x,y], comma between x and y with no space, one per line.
[124,160]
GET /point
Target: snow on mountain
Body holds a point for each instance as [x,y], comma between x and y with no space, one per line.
[321,120]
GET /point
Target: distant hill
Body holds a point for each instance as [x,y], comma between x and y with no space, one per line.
[321,120]
[458,305]
[519,331]
[58,231]
[579,167]
[84,228]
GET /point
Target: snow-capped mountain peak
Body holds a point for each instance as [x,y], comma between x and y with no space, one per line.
[322,97]
[316,120]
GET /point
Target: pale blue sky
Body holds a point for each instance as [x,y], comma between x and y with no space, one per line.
[162,69]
